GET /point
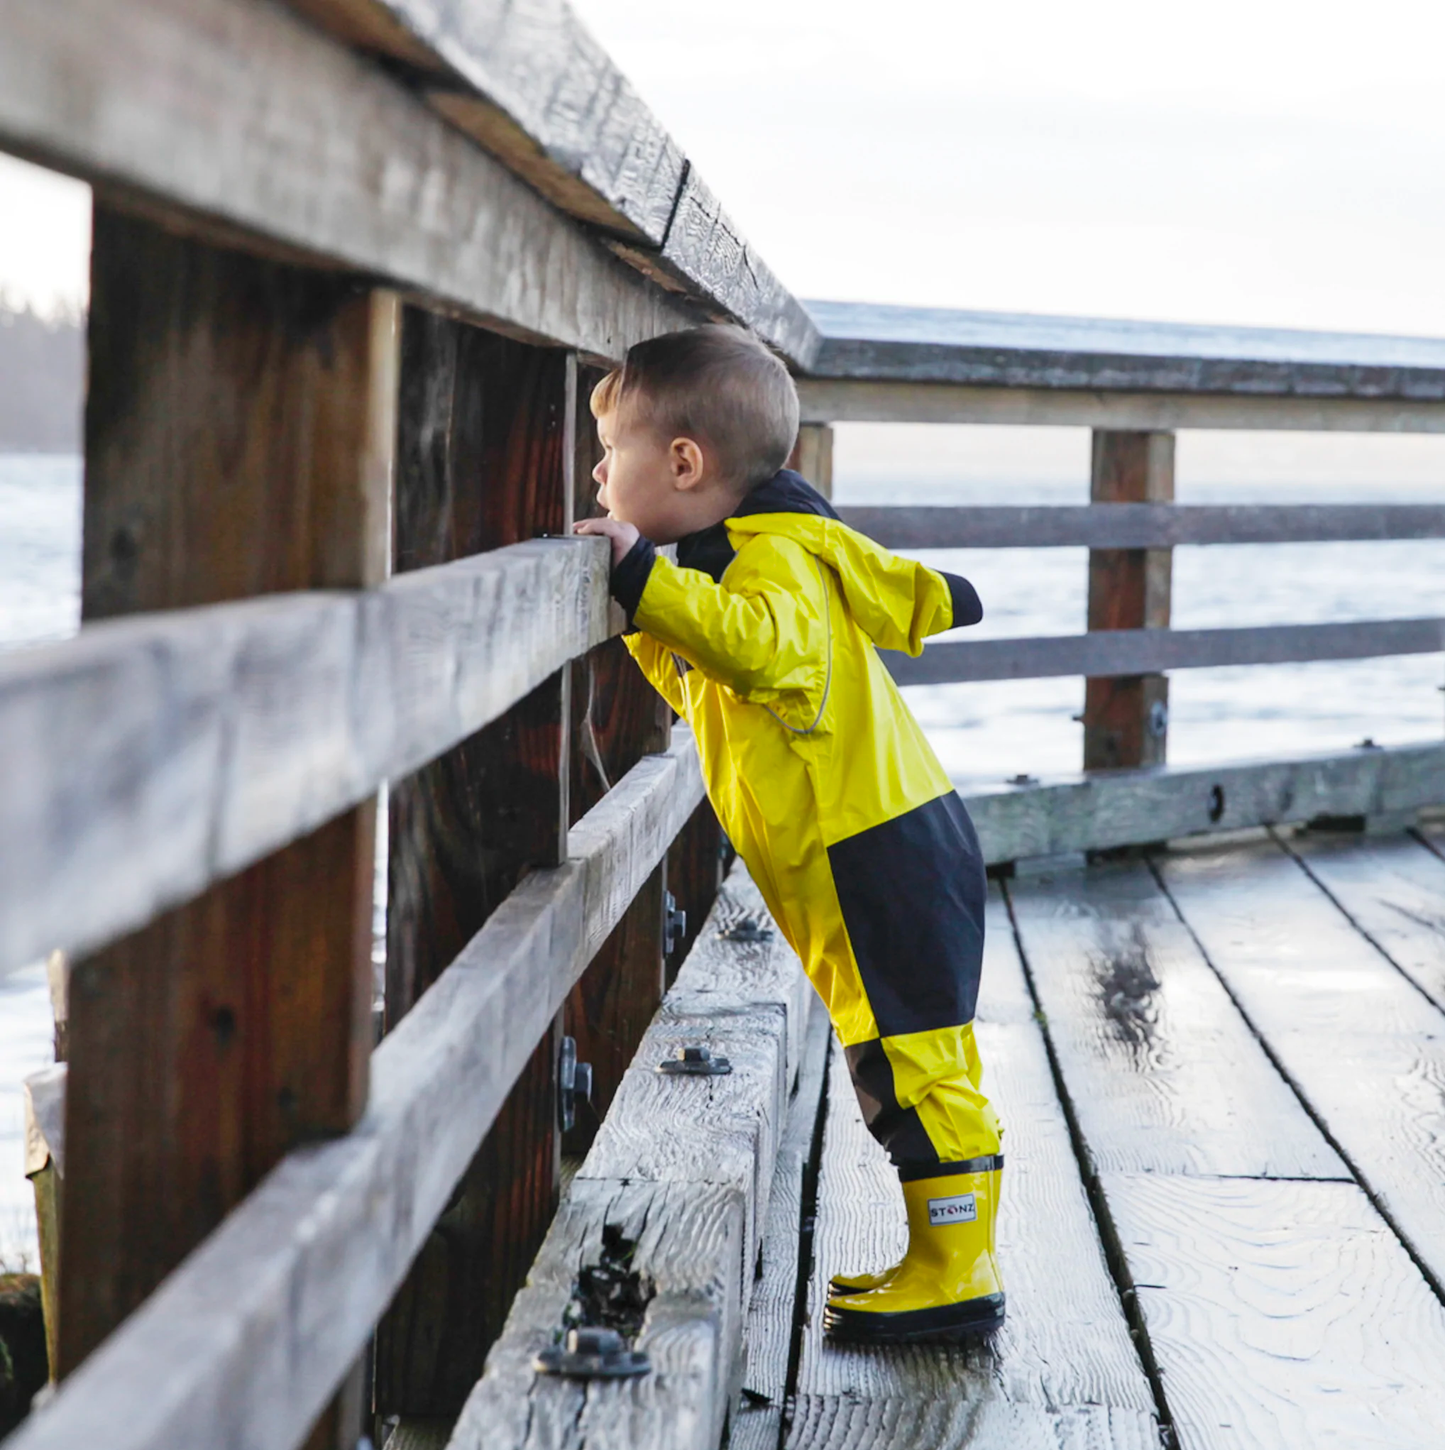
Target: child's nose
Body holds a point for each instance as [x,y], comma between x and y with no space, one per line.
[599,474]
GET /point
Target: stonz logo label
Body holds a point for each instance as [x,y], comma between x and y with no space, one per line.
[961,1208]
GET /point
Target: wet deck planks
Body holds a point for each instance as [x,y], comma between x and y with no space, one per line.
[1063,1371]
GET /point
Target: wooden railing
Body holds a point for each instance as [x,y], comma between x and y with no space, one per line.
[355,265]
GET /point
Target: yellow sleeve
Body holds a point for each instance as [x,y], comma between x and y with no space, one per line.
[656,662]
[765,634]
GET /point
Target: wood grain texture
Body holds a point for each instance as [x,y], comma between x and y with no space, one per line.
[240,425]
[1128,589]
[934,344]
[242,118]
[1363,1045]
[692,1154]
[485,460]
[1148,651]
[688,1247]
[757,1417]
[1139,525]
[1164,1074]
[1281,1314]
[149,757]
[264,1319]
[531,85]
[1062,1371]
[1394,891]
[748,1003]
[813,456]
[1134,807]
[831,400]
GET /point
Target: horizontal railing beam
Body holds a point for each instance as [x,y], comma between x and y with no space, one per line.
[1142,525]
[257,1328]
[148,757]
[244,122]
[1114,652]
[845,400]
[1133,807]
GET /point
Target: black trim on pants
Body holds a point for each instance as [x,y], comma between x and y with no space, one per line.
[899,1129]
[913,1172]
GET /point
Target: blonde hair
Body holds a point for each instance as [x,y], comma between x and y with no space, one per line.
[717,385]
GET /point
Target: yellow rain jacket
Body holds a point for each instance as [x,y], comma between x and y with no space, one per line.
[828,789]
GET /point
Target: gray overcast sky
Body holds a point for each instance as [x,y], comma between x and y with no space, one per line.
[1256,161]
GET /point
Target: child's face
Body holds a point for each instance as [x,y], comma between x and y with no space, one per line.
[662,487]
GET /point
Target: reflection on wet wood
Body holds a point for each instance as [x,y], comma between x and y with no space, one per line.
[1063,1369]
[1281,1314]
[1164,1074]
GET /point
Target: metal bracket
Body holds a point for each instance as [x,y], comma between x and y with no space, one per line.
[574,1080]
[746,931]
[592,1353]
[695,1061]
[674,926]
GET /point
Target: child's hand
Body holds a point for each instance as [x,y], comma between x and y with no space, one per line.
[623,536]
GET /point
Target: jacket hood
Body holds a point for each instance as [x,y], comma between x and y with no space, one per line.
[895,601]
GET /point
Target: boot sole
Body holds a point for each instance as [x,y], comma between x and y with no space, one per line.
[945,1322]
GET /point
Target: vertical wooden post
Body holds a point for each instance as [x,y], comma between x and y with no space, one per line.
[1126,719]
[239,434]
[485,446]
[694,874]
[812,456]
[618,719]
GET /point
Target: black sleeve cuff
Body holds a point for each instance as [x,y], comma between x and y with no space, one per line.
[967,607]
[629,577]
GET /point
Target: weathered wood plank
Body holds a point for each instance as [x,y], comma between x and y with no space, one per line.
[485,450]
[263,1320]
[1126,717]
[747,1002]
[768,1334]
[1018,350]
[1281,1314]
[239,427]
[1361,1043]
[687,1245]
[1147,651]
[1164,1075]
[233,115]
[813,457]
[149,757]
[1140,525]
[832,400]
[532,86]
[1134,807]
[707,1141]
[1063,1369]
[1393,889]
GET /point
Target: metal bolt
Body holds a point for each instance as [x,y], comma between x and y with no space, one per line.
[695,1060]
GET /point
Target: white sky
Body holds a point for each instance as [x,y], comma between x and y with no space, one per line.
[1254,161]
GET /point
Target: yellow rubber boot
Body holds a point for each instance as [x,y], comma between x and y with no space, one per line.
[948,1285]
[860,1283]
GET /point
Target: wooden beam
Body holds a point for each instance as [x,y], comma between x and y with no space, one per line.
[844,400]
[260,1324]
[485,460]
[1020,350]
[1141,525]
[239,430]
[150,757]
[1144,651]
[1126,718]
[1134,807]
[618,718]
[685,1168]
[813,456]
[242,119]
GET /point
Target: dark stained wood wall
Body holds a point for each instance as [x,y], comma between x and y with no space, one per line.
[484,459]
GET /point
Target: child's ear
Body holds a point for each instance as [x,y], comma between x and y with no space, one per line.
[686,462]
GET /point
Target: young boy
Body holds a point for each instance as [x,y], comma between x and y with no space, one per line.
[762,638]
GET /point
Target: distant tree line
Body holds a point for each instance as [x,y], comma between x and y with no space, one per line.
[42,381]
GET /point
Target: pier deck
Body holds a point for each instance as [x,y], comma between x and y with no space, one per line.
[1219,1070]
